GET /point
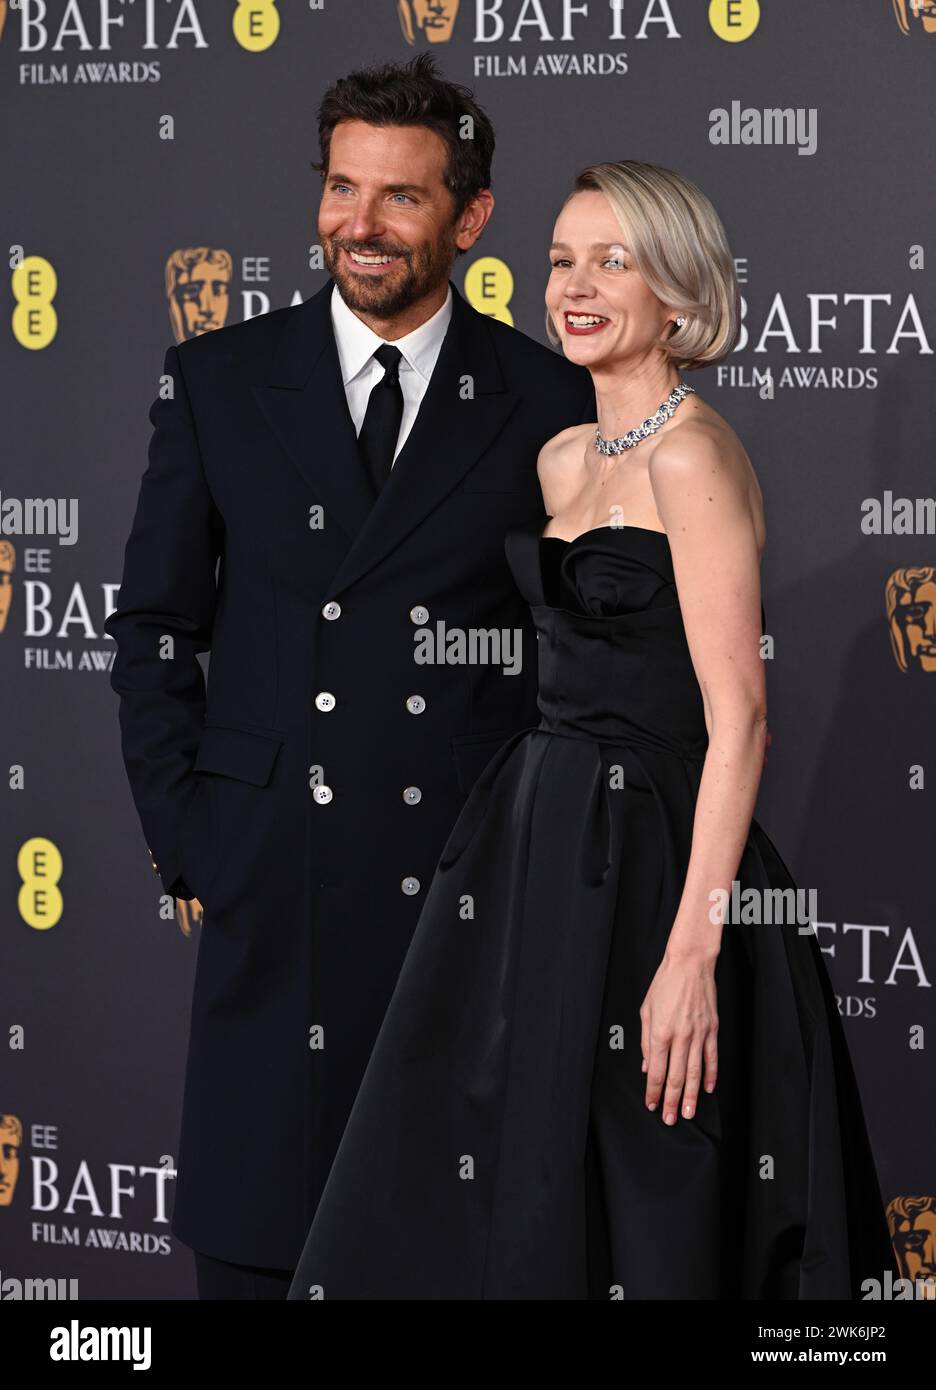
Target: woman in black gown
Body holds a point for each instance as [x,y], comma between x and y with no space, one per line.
[507,1142]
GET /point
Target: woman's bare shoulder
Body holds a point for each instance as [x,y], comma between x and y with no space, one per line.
[705,447]
[564,447]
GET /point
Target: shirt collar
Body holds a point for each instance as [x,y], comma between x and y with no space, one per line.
[357,343]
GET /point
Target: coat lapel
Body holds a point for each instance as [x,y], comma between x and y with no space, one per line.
[302,396]
[465,407]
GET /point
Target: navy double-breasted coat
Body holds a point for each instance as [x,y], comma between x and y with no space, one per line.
[304,792]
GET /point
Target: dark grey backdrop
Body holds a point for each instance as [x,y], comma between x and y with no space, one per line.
[95,993]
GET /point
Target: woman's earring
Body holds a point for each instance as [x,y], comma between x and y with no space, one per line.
[680,321]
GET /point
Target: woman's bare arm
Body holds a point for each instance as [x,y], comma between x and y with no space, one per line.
[701,491]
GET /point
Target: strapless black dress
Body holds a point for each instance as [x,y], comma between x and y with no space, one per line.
[499,1146]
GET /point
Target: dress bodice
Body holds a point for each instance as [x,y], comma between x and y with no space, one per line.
[614,663]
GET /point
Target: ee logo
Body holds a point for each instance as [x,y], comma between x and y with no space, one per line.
[256,24]
[489,288]
[34,284]
[39,865]
[734,20]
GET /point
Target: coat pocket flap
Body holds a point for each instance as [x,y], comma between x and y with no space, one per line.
[237,753]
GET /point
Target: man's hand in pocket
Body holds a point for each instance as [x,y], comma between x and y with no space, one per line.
[188,914]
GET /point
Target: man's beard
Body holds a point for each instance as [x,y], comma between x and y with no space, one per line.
[423,270]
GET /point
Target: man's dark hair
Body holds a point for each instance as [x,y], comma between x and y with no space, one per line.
[413,93]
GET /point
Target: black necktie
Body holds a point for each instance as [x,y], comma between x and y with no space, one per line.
[381,425]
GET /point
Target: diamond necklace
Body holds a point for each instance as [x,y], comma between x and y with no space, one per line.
[649,426]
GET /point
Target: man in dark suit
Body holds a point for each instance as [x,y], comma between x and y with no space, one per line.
[325,483]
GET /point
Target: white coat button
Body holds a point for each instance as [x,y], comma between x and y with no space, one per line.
[411,795]
[410,886]
[331,611]
[415,704]
[322,795]
[419,614]
[325,701]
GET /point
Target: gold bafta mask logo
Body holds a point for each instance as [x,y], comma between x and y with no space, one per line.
[433,18]
[7,566]
[912,1224]
[910,599]
[3,10]
[198,281]
[907,10]
[11,1141]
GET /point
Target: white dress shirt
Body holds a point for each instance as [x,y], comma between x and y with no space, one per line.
[360,370]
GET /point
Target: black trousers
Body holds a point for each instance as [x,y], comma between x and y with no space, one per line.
[220,1279]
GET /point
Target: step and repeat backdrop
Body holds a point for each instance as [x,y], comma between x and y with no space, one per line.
[157,185]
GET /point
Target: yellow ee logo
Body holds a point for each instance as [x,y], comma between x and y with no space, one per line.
[39,865]
[256,24]
[34,283]
[489,287]
[734,20]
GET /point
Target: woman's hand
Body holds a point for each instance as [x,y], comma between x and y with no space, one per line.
[678,1033]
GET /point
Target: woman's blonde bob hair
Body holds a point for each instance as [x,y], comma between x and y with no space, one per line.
[679,247]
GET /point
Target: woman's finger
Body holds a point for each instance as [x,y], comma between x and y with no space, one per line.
[676,1076]
[710,1053]
[693,1077]
[656,1068]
